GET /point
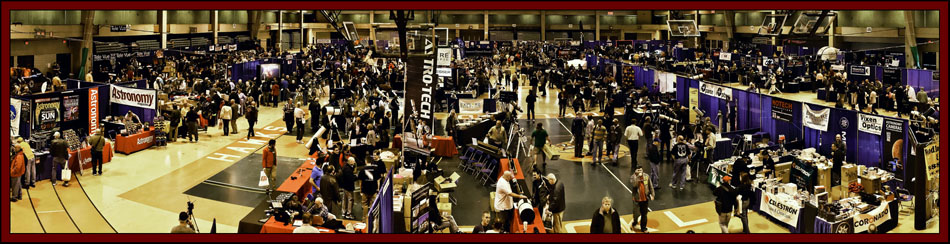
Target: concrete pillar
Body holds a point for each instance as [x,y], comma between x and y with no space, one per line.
[214,26]
[85,56]
[544,24]
[831,33]
[486,25]
[597,25]
[302,36]
[163,27]
[372,29]
[910,40]
[698,22]
[623,34]
[280,30]
[730,20]
[780,32]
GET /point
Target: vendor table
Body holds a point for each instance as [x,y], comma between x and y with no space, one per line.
[272,226]
[802,221]
[87,156]
[301,185]
[477,131]
[846,226]
[504,166]
[518,227]
[135,142]
[792,87]
[112,129]
[443,146]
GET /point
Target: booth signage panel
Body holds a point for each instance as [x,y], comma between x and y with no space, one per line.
[715,91]
[870,124]
[816,119]
[782,109]
[15,105]
[785,211]
[93,109]
[876,217]
[133,97]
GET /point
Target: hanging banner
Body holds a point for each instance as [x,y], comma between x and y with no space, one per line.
[876,217]
[47,114]
[421,82]
[15,105]
[785,211]
[932,158]
[782,109]
[445,56]
[470,105]
[133,97]
[893,141]
[816,119]
[721,92]
[727,56]
[860,70]
[93,109]
[71,108]
[870,124]
[693,103]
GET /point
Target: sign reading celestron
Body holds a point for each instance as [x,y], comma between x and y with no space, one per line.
[780,210]
[870,124]
[133,97]
[715,90]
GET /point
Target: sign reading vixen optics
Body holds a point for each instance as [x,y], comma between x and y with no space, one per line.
[133,97]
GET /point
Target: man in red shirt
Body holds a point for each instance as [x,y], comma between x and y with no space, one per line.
[17,169]
[269,163]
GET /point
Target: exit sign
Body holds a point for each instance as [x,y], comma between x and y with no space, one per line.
[610,13]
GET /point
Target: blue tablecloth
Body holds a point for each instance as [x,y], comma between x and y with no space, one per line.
[822,226]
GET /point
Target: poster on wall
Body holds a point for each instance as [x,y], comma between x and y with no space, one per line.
[870,124]
[893,142]
[270,71]
[71,108]
[471,105]
[420,207]
[141,98]
[783,210]
[816,119]
[782,109]
[15,106]
[47,114]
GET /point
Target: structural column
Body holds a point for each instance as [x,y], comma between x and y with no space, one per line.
[698,22]
[85,63]
[910,40]
[486,25]
[214,26]
[302,36]
[280,30]
[163,27]
[730,21]
[596,26]
[372,29]
[544,24]
[831,33]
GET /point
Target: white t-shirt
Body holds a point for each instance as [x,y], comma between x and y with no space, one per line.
[306,229]
[502,200]
[633,133]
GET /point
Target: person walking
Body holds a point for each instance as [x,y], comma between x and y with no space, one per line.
[269,164]
[300,117]
[97,142]
[642,195]
[606,220]
[614,133]
[289,116]
[251,116]
[561,104]
[681,155]
[17,170]
[556,202]
[191,119]
[600,135]
[633,133]
[653,154]
[59,150]
[225,116]
[725,202]
[530,100]
[540,137]
[746,192]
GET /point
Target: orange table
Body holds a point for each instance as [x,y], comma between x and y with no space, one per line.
[517,226]
[444,145]
[272,226]
[87,156]
[301,185]
[504,166]
[135,142]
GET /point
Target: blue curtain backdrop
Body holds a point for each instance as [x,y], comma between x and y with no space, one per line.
[919,78]
[244,71]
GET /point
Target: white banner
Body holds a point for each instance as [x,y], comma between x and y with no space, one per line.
[15,108]
[470,106]
[133,97]
[870,124]
[816,119]
[787,212]
[725,56]
[715,90]
[444,71]
[876,217]
[445,57]
[667,82]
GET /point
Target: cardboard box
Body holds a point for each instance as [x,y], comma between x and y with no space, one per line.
[849,173]
[444,198]
[824,176]
[872,184]
[445,208]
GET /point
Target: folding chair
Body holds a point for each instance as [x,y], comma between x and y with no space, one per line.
[463,164]
[475,162]
[486,173]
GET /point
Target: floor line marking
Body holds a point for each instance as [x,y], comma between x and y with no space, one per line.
[51,211]
[618,179]
[680,223]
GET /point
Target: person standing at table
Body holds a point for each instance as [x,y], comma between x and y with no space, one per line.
[17,169]
[556,202]
[330,189]
[225,118]
[174,117]
[496,135]
[97,142]
[251,116]
[504,199]
[745,190]
[59,150]
[347,180]
[30,163]
[289,116]
[633,133]
[269,164]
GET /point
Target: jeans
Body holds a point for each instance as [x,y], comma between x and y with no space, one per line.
[744,215]
[531,113]
[643,209]
[16,189]
[598,152]
[367,200]
[724,222]
[447,222]
[348,202]
[224,126]
[539,153]
[30,175]
[506,216]
[250,128]
[192,131]
[271,174]
[173,133]
[97,161]
[578,145]
[679,172]
[634,146]
[561,110]
[655,174]
[61,162]
[300,129]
